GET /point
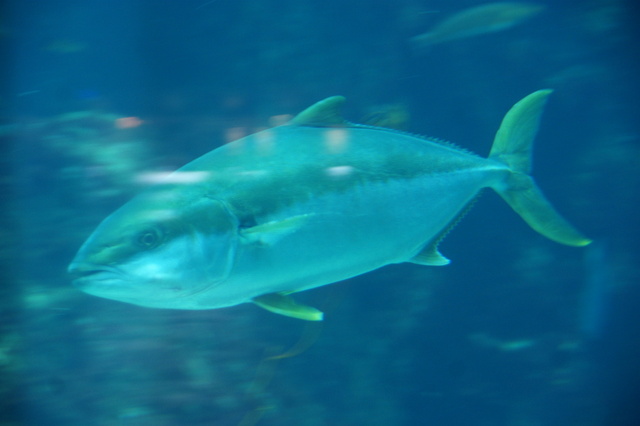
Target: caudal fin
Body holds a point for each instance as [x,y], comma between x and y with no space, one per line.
[512,146]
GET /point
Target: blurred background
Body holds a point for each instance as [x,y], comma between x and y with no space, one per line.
[517,331]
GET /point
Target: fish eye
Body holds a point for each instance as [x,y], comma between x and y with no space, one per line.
[148,239]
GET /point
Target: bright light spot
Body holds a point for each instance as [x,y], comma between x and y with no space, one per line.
[279,120]
[234,133]
[151,269]
[128,122]
[339,171]
[264,142]
[336,140]
[169,177]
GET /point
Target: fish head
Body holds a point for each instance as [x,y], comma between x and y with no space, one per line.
[158,251]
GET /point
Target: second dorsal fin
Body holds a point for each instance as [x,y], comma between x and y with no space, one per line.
[325,113]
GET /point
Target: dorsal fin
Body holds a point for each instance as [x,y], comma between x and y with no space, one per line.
[325,113]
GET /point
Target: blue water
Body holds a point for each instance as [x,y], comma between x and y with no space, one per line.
[99,95]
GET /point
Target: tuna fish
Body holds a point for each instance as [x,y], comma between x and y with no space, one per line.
[303,205]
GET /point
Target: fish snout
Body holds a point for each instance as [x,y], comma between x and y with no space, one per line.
[84,273]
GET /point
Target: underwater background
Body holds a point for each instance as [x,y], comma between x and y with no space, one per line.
[98,95]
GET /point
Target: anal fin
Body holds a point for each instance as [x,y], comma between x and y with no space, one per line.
[430,256]
[283,304]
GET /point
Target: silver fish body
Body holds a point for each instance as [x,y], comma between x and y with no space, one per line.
[303,205]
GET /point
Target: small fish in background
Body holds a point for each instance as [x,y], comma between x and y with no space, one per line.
[484,19]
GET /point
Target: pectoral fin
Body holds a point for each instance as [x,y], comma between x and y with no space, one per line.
[279,303]
[271,232]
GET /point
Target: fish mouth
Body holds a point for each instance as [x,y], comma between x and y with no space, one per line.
[85,275]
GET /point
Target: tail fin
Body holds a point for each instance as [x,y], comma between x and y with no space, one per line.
[512,146]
